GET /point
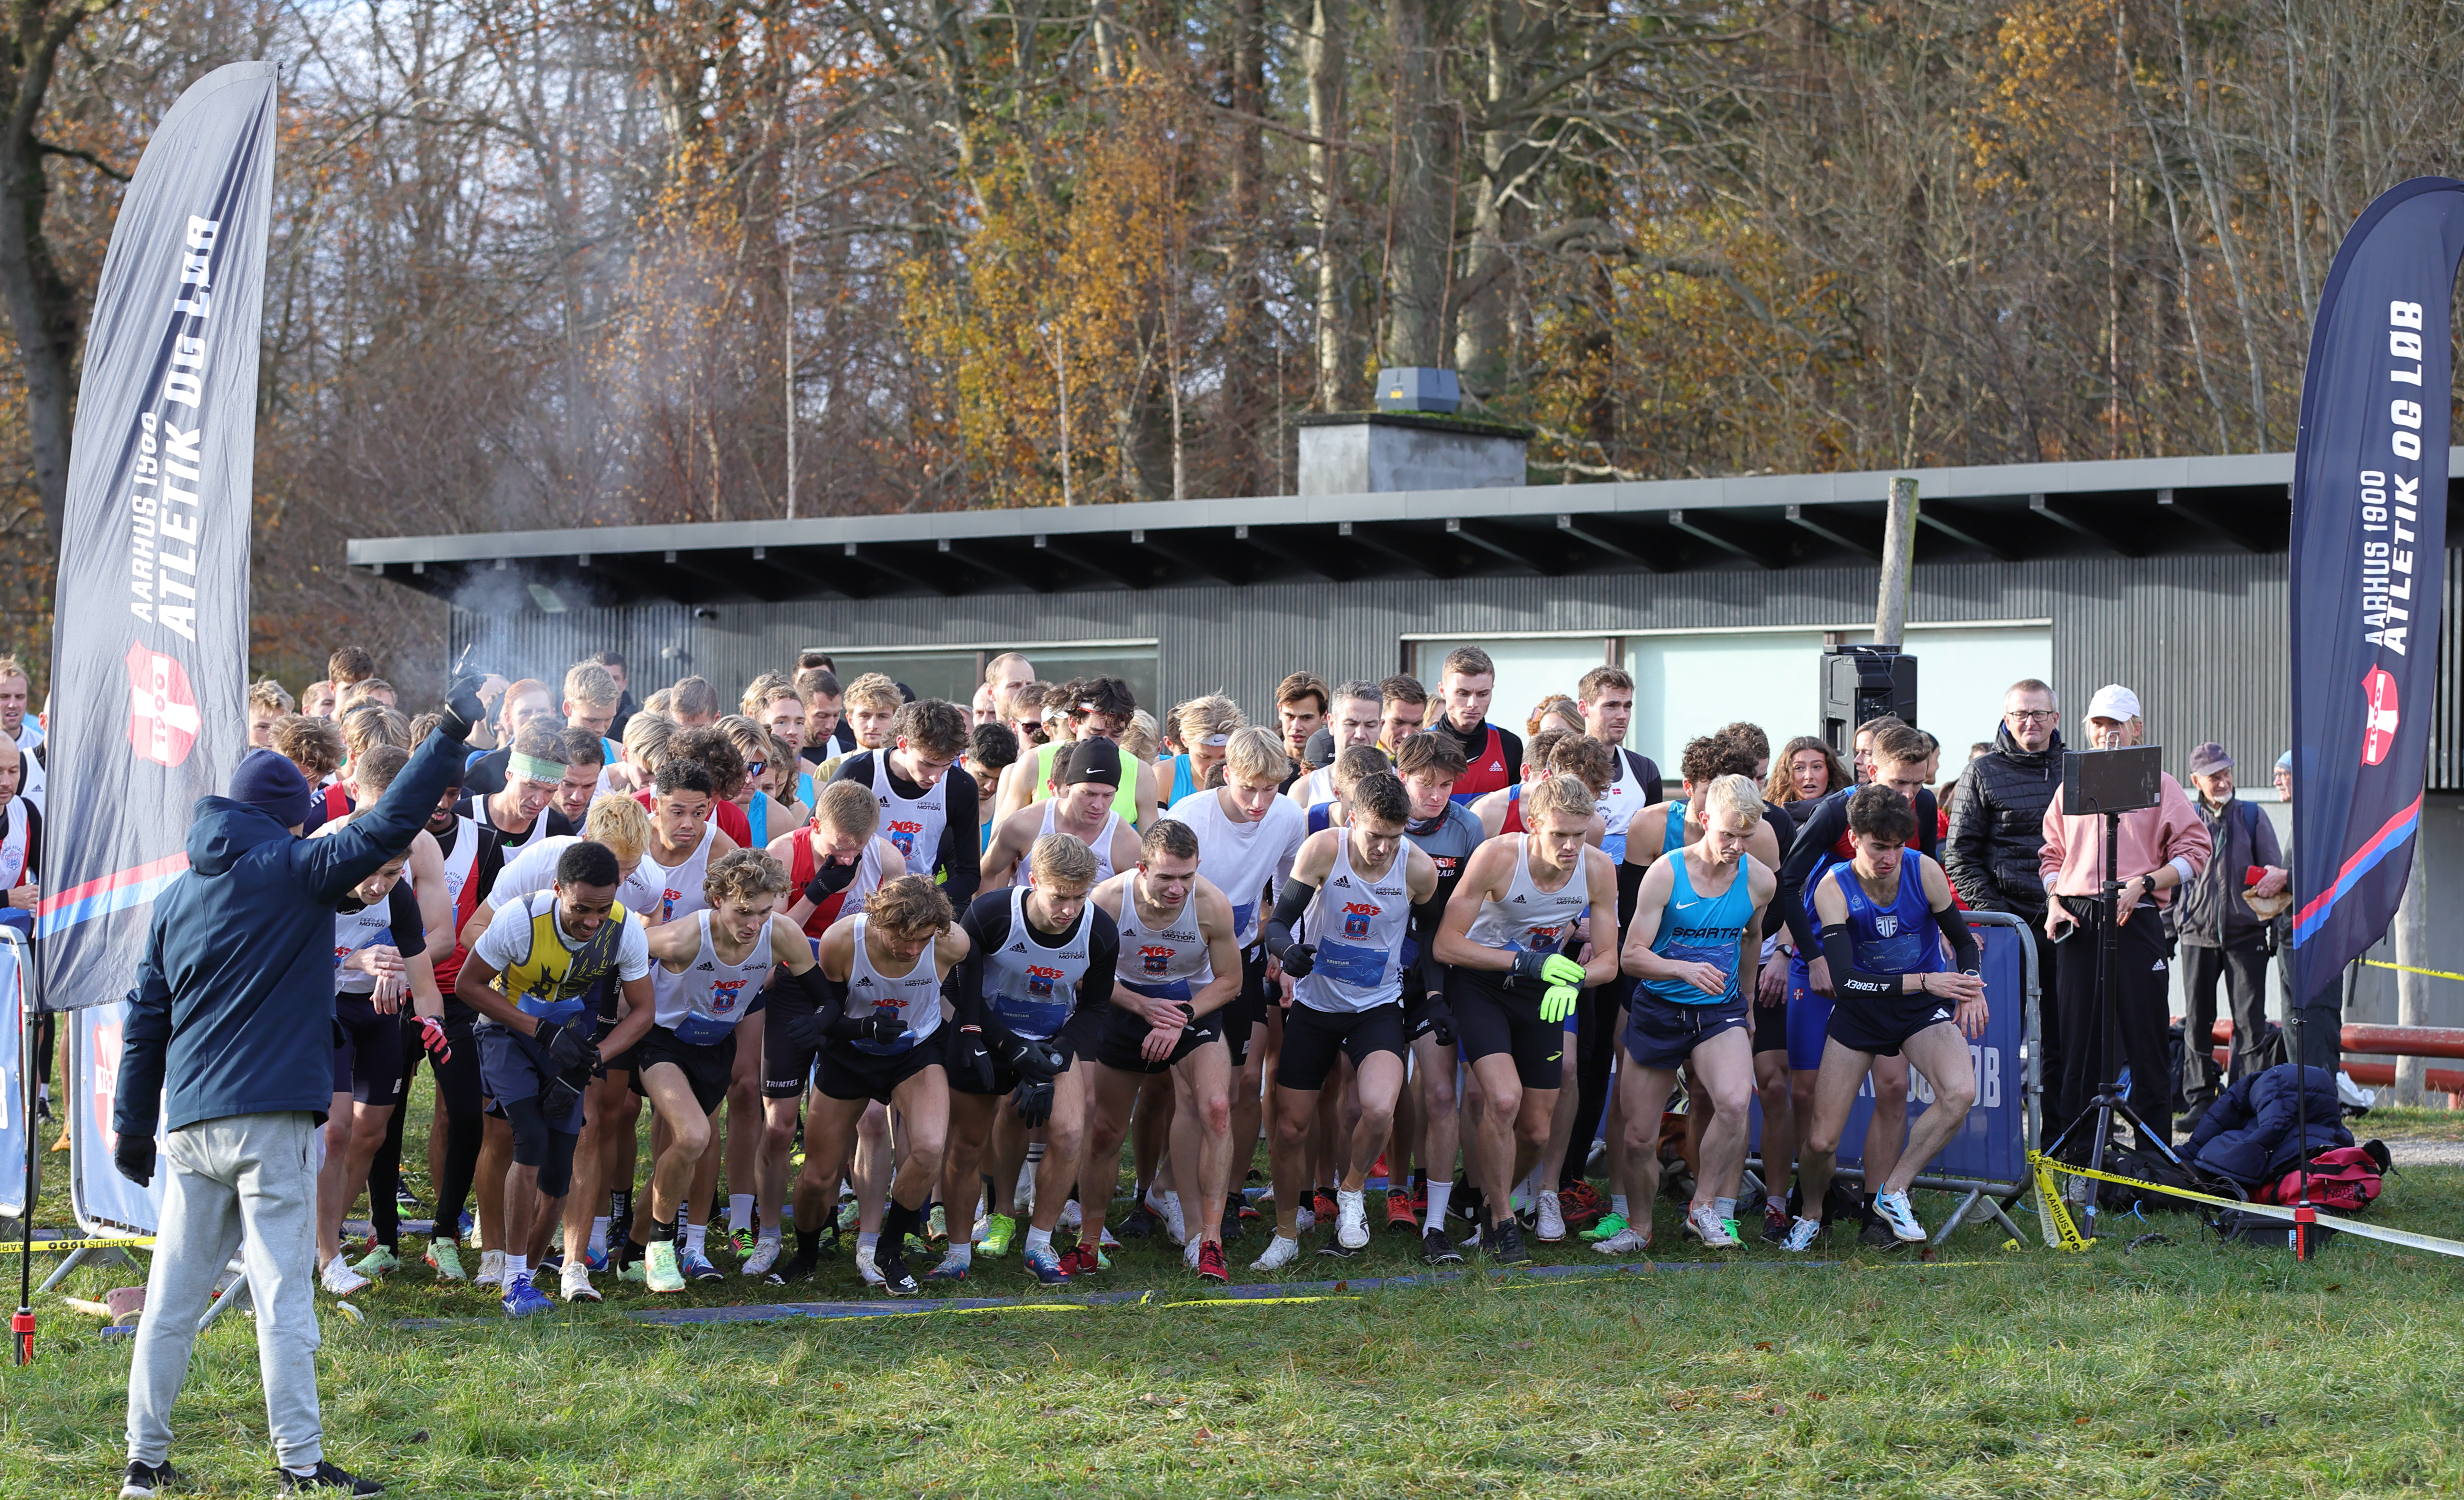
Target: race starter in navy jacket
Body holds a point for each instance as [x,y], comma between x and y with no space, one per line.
[234,997]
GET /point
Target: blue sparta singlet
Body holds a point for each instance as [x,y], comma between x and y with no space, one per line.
[1897,938]
[1702,928]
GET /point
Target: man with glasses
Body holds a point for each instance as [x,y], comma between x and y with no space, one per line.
[1997,817]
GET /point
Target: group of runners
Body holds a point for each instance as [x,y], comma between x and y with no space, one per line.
[913,973]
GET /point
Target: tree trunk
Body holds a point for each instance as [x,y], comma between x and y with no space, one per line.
[1246,401]
[1421,200]
[1482,333]
[1325,60]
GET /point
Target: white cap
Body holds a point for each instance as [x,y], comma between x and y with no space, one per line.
[2114,702]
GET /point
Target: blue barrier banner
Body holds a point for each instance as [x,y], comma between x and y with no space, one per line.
[12,1082]
[104,1200]
[1993,1146]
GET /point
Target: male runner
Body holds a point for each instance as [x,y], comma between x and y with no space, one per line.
[1606,697]
[1879,914]
[1180,966]
[1403,707]
[1426,1116]
[1247,837]
[1354,719]
[1360,886]
[1205,726]
[1693,946]
[928,804]
[1551,752]
[1512,983]
[529,977]
[827,734]
[1090,775]
[684,841]
[710,973]
[1097,707]
[267,701]
[1301,702]
[1040,956]
[876,1043]
[1491,754]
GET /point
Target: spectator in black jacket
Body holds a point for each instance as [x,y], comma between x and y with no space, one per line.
[2221,936]
[1997,817]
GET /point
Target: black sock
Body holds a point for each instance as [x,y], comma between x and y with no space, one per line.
[895,1221]
[808,1243]
[664,1228]
[619,1204]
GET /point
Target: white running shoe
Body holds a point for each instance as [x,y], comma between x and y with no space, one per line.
[340,1280]
[575,1284]
[1801,1235]
[1710,1228]
[1168,1209]
[1106,1241]
[1071,1217]
[1304,1221]
[1189,1256]
[1553,1220]
[1625,1242]
[1280,1253]
[1895,1209]
[491,1270]
[1350,1220]
[865,1267]
[766,1254]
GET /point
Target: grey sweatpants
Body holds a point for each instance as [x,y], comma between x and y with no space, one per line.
[245,1185]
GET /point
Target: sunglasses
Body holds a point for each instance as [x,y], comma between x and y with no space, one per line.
[756,767]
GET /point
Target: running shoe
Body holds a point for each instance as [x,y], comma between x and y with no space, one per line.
[145,1481]
[800,1266]
[1235,1209]
[1168,1214]
[404,1199]
[1249,1209]
[660,1271]
[1280,1253]
[952,1268]
[1437,1249]
[1506,1244]
[1000,1231]
[1048,1268]
[1420,1196]
[1140,1222]
[1582,1204]
[849,1212]
[574,1286]
[1896,1211]
[326,1478]
[1189,1255]
[1305,1218]
[1778,1224]
[465,1225]
[1625,1242]
[866,1265]
[936,1224]
[1802,1233]
[596,1260]
[491,1270]
[1322,1203]
[1351,1221]
[1071,1217]
[1104,1241]
[895,1278]
[1610,1226]
[1210,1263]
[377,1261]
[766,1254]
[1552,1227]
[521,1299]
[339,1278]
[446,1257]
[1398,1212]
[696,1266]
[552,1261]
[1079,1260]
[1716,1234]
[744,1239]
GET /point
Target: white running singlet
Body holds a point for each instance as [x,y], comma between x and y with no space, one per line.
[1530,917]
[702,1005]
[1357,925]
[1101,844]
[1242,859]
[679,893]
[915,997]
[534,869]
[914,826]
[1164,962]
[1033,989]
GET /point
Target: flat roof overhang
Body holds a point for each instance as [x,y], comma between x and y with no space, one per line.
[2141,507]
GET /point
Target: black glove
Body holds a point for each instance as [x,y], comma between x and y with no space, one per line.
[970,1064]
[1538,969]
[1436,1018]
[830,880]
[1037,1062]
[804,1030]
[133,1153]
[463,710]
[1298,959]
[1033,1102]
[569,1046]
[881,1028]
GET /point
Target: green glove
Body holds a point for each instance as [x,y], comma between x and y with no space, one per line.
[1557,1003]
[1560,970]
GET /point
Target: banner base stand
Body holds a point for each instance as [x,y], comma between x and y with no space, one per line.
[104,1255]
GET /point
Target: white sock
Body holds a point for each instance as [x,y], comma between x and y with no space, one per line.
[696,1235]
[517,1266]
[739,1211]
[1346,1200]
[1038,1239]
[1617,1204]
[1439,1193]
[867,1240]
[1724,1208]
[962,1256]
[1035,1151]
[599,1236]
[769,1234]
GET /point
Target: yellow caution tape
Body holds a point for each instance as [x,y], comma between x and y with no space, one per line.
[2051,1209]
[2407,968]
[1250,1302]
[45,1246]
[2280,1211]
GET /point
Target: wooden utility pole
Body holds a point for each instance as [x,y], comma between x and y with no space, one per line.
[1899,541]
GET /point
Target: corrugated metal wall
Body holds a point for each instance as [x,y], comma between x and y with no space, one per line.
[2199,638]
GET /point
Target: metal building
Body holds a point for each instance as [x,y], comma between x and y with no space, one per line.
[2168,575]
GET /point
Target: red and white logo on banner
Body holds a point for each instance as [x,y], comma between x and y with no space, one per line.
[2378,734]
[163,721]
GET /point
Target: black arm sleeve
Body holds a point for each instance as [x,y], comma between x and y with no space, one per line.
[1290,902]
[1813,838]
[960,862]
[1954,923]
[401,909]
[34,840]
[1845,977]
[815,990]
[1427,972]
[986,924]
[1103,958]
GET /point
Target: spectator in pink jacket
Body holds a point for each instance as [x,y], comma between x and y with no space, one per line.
[2157,849]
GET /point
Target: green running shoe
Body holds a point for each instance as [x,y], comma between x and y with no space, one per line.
[1610,1226]
[446,1257]
[1001,1232]
[377,1262]
[662,1272]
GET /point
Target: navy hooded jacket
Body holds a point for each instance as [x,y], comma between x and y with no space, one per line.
[233,1008]
[2250,1134]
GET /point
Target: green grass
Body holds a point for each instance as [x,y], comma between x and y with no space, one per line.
[2412,1124]
[2172,1370]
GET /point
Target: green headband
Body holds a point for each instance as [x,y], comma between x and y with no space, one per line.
[531,768]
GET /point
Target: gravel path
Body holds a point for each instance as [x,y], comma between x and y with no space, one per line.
[2413,1152]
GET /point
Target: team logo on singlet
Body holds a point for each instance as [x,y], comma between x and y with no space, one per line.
[1156,960]
[1547,935]
[724,994]
[1356,917]
[162,719]
[1040,981]
[904,835]
[668,904]
[1886,924]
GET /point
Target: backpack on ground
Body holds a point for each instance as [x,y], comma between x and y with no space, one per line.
[2341,1179]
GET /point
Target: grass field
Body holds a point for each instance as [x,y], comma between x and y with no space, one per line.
[2181,1369]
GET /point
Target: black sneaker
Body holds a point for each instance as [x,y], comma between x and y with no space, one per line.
[145,1481]
[405,1199]
[1140,1223]
[1232,1207]
[328,1477]
[896,1280]
[1509,1250]
[1437,1249]
[799,1267]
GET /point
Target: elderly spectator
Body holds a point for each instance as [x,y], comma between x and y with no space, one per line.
[2220,935]
[2156,851]
[1997,833]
